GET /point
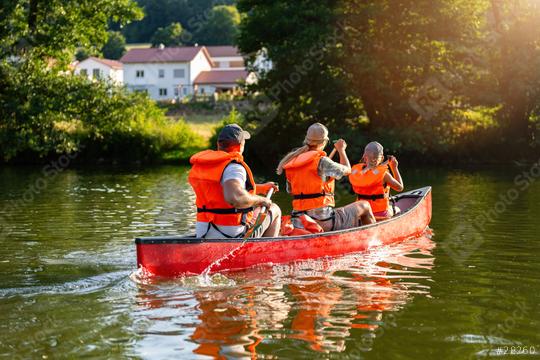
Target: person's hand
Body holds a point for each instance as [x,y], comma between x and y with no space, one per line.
[265,202]
[340,145]
[392,161]
[265,188]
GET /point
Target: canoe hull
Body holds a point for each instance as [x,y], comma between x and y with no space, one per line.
[176,256]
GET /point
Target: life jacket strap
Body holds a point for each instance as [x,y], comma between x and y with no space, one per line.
[311,196]
[370,197]
[212,225]
[224,211]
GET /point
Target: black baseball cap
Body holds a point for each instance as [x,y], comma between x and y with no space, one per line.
[233,132]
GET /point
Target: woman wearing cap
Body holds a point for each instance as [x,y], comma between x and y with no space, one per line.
[311,179]
[226,194]
[372,179]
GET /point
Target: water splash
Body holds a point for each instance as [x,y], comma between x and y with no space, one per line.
[207,281]
[144,277]
[206,272]
[141,276]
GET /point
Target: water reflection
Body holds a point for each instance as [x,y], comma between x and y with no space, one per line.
[310,306]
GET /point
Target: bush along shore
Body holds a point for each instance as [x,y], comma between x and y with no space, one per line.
[45,114]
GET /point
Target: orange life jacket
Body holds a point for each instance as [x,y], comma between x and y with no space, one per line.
[370,186]
[308,189]
[205,178]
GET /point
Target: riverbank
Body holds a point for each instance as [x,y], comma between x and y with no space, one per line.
[165,133]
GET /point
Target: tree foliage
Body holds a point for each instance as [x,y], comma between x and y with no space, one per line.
[115,46]
[417,67]
[44,114]
[172,35]
[44,109]
[55,28]
[193,15]
[221,27]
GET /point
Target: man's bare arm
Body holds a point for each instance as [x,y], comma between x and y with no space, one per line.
[237,196]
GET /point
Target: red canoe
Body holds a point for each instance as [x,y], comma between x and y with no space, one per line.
[183,255]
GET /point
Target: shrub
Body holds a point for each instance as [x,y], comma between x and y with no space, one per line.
[234,117]
[45,112]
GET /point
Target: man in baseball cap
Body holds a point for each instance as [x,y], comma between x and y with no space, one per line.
[228,199]
[233,132]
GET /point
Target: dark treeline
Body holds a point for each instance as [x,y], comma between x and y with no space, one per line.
[433,79]
[207,22]
[171,23]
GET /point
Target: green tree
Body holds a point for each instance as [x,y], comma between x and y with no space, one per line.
[43,111]
[82,54]
[115,46]
[192,14]
[171,35]
[513,41]
[56,28]
[305,82]
[45,114]
[364,65]
[221,27]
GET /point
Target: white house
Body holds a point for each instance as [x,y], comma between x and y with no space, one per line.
[165,73]
[96,68]
[226,57]
[175,72]
[209,82]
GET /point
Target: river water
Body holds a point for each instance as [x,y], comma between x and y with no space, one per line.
[470,290]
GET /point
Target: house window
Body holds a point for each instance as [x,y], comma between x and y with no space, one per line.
[83,72]
[96,73]
[184,91]
[162,92]
[139,73]
[161,73]
[176,92]
[179,73]
[202,91]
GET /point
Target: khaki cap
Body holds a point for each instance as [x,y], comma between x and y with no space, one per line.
[316,133]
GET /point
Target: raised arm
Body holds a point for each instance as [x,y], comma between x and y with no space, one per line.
[397,182]
[340,146]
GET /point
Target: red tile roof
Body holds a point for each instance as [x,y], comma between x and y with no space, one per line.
[165,55]
[223,51]
[110,63]
[221,77]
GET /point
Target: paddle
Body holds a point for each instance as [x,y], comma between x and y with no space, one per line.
[260,218]
[332,153]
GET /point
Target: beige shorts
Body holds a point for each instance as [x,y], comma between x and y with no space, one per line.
[345,217]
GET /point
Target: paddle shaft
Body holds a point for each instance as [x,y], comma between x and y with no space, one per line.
[260,218]
[332,153]
[268,196]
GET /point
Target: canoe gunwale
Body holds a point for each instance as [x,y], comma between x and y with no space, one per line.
[418,194]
